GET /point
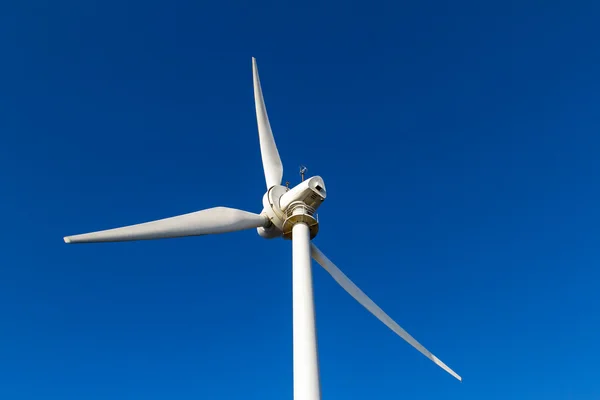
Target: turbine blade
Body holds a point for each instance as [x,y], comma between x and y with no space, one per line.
[210,221]
[363,299]
[272,165]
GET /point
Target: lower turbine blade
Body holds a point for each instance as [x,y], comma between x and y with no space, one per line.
[205,222]
[363,299]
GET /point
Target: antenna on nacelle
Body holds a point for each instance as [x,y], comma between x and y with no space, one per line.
[303,169]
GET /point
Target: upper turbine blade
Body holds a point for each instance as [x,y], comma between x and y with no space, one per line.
[205,222]
[268,149]
[363,299]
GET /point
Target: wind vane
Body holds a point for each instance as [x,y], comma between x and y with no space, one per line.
[303,169]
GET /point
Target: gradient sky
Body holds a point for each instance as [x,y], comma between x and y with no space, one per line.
[459,142]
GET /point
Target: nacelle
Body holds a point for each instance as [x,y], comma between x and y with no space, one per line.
[311,192]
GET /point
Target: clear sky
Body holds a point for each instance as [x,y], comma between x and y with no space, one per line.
[459,144]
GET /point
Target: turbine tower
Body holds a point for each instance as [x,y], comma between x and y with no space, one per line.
[289,214]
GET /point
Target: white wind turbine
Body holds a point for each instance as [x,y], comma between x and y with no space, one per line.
[287,213]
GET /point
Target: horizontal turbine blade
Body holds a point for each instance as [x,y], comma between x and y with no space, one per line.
[210,221]
[363,299]
[272,165]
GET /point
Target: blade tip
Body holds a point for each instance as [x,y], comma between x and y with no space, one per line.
[67,239]
[457,376]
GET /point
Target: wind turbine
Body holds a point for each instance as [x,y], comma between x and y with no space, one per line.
[287,213]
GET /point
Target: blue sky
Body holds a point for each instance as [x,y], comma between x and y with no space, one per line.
[459,145]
